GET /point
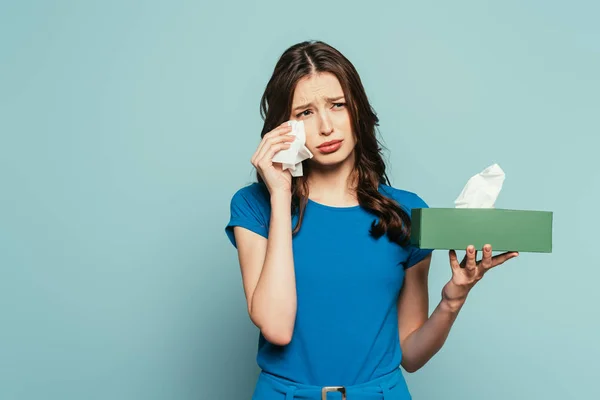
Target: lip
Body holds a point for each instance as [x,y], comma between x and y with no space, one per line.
[332,142]
[330,147]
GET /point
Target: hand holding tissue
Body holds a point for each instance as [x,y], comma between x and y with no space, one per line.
[476,221]
[292,157]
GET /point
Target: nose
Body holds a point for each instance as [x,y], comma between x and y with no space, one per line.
[326,125]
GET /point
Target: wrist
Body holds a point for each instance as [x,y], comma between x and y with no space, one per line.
[454,296]
[281,197]
[451,306]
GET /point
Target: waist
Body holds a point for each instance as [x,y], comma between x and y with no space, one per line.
[391,386]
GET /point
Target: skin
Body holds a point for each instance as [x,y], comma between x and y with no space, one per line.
[319,102]
[267,264]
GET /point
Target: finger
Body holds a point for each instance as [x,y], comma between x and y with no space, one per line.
[275,140]
[471,258]
[269,139]
[486,259]
[267,159]
[502,258]
[271,142]
[453,260]
[279,131]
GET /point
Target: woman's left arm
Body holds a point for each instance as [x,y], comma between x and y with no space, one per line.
[421,337]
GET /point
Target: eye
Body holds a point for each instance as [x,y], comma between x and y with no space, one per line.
[338,105]
[302,113]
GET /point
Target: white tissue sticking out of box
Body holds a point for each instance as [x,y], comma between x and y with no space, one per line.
[481,190]
[292,157]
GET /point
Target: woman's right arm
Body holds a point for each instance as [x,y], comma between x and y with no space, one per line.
[267,265]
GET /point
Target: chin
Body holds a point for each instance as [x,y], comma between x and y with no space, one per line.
[329,161]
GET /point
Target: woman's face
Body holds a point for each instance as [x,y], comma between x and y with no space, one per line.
[319,102]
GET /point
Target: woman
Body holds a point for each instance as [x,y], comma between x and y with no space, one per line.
[331,280]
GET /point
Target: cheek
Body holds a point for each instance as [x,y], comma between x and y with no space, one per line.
[312,134]
[343,121]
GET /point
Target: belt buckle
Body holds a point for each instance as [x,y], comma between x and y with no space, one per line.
[327,389]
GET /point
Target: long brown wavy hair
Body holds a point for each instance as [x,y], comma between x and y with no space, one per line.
[310,57]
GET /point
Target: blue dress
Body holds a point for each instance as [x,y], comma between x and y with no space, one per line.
[347,283]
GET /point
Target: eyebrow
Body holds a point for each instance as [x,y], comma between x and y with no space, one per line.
[329,100]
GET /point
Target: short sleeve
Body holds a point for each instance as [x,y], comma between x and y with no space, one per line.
[250,209]
[416,254]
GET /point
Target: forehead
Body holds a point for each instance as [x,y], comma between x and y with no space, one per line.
[317,86]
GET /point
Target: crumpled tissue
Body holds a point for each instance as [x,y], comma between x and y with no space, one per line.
[481,190]
[292,157]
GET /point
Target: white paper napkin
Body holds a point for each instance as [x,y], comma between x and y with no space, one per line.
[481,190]
[292,157]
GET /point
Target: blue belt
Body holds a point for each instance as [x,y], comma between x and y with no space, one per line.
[387,387]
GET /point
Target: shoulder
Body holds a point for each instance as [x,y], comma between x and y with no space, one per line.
[253,199]
[250,208]
[255,194]
[408,201]
[405,198]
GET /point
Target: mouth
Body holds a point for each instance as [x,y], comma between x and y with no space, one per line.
[330,147]
[328,144]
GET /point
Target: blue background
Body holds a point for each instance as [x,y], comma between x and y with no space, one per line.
[127,126]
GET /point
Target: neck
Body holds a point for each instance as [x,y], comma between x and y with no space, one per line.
[335,186]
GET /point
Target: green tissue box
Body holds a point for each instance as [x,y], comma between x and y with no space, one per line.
[505,230]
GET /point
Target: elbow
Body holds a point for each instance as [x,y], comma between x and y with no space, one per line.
[275,332]
[277,336]
[410,367]
[277,328]
[411,370]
